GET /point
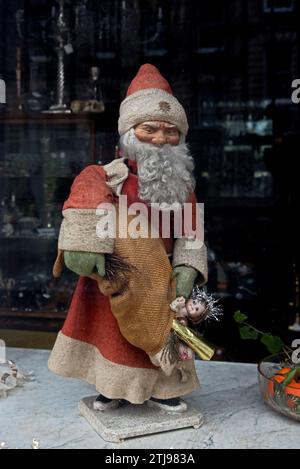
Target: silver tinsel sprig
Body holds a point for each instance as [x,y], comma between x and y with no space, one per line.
[212,308]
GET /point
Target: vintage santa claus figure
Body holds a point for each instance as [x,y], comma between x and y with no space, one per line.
[117,335]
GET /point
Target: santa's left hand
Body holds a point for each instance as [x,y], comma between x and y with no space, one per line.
[185,278]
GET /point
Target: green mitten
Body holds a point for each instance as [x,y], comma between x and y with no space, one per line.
[85,263]
[185,278]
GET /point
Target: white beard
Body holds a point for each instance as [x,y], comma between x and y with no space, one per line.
[165,174]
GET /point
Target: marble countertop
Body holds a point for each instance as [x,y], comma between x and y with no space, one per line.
[235,415]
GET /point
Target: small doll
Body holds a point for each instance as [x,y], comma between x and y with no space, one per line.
[199,307]
[192,310]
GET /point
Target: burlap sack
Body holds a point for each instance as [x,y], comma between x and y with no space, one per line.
[142,310]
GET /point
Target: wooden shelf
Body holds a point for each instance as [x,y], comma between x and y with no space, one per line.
[105,121]
[42,314]
[44,117]
[48,321]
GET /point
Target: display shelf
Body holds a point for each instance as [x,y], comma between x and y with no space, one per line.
[41,320]
[54,118]
[46,314]
[34,182]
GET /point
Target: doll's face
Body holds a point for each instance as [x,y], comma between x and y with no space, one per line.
[195,309]
[157,133]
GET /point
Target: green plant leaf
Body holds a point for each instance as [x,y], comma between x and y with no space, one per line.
[247,333]
[273,343]
[239,317]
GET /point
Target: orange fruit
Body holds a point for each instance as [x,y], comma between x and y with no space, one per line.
[279,377]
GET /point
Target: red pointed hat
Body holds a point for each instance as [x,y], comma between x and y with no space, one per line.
[149,97]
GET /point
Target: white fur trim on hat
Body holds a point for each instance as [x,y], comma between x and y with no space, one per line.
[151,104]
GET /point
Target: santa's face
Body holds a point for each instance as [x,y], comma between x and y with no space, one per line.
[157,133]
[165,166]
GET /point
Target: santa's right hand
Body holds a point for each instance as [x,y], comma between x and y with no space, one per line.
[85,263]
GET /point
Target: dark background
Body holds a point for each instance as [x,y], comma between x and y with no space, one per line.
[231,64]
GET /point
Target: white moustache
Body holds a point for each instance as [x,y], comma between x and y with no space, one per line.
[165,173]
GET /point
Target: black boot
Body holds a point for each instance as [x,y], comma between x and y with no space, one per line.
[173,405]
[103,403]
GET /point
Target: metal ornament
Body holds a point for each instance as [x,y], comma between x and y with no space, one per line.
[63,47]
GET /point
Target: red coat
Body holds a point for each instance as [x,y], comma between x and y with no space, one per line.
[91,322]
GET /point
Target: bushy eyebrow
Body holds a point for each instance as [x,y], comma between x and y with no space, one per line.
[170,126]
[152,126]
[155,125]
